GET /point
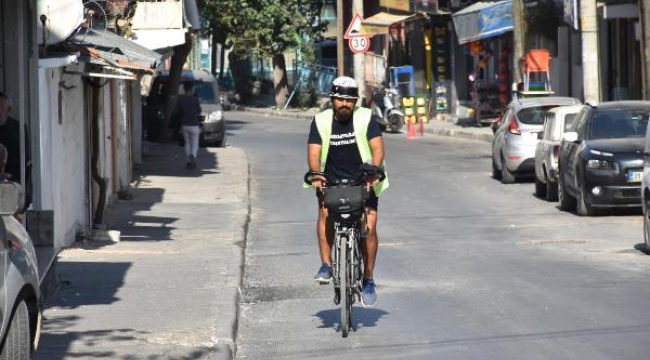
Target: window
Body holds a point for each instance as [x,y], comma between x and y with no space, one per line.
[549,124]
[204,91]
[534,115]
[568,121]
[614,124]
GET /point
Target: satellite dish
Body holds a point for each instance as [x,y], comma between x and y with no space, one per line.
[61,18]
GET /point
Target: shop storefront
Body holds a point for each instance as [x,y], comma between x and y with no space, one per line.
[484,31]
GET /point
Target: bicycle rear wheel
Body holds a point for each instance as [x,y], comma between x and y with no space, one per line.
[344,274]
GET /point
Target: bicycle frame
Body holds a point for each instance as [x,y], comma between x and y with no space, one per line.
[352,237]
[347,272]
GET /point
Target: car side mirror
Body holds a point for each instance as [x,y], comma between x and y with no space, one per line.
[570,136]
[11,197]
[540,135]
[495,126]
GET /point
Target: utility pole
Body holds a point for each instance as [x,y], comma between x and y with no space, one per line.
[644,12]
[340,60]
[358,59]
[590,65]
[520,32]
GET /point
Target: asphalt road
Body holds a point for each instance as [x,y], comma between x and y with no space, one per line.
[468,268]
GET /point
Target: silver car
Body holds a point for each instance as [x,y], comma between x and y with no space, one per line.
[515,138]
[558,121]
[20,296]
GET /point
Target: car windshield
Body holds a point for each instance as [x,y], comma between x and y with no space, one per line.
[619,123]
[534,115]
[568,121]
[204,91]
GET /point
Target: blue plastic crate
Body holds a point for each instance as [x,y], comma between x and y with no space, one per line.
[403,78]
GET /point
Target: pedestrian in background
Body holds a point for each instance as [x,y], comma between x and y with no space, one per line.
[10,138]
[188,110]
[3,163]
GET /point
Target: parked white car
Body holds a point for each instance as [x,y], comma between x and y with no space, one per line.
[515,137]
[20,296]
[558,120]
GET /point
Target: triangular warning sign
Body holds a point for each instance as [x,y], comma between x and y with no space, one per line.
[355,29]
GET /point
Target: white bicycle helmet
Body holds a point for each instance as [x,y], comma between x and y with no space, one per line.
[344,87]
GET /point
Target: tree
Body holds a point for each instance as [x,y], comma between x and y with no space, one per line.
[217,17]
[179,56]
[268,27]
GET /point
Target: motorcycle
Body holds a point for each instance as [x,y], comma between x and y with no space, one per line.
[389,117]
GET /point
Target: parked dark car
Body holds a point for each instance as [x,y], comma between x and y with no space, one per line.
[20,296]
[206,89]
[601,157]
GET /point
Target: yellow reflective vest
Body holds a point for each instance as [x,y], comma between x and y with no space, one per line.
[360,119]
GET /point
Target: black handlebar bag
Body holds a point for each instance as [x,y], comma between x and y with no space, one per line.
[345,199]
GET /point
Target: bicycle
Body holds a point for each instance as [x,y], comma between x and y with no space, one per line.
[345,201]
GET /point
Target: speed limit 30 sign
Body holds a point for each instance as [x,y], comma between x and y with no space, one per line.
[359,45]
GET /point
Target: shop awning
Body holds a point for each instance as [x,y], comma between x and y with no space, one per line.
[381,22]
[106,47]
[483,20]
[163,24]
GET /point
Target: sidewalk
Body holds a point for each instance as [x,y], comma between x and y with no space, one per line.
[170,287]
[447,126]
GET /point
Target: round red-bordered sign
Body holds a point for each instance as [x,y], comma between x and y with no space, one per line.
[359,45]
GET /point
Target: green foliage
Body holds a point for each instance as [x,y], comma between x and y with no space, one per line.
[269,27]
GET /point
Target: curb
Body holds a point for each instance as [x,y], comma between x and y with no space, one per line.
[461,134]
[270,112]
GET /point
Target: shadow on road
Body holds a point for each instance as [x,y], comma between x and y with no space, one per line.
[361,317]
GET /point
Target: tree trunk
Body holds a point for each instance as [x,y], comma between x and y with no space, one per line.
[175,71]
[280,84]
[222,60]
[241,82]
[213,54]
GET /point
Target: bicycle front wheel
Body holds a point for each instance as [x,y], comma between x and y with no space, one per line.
[344,274]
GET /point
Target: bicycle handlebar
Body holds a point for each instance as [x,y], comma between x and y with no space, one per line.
[367,171]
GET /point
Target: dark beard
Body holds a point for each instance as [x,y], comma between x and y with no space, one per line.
[343,113]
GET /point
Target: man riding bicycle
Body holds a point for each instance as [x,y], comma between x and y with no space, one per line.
[341,140]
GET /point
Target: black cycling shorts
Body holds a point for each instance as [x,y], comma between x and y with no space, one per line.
[372,201]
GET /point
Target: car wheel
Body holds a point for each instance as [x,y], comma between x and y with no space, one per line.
[506,176]
[540,188]
[496,174]
[646,227]
[566,201]
[16,344]
[551,191]
[395,123]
